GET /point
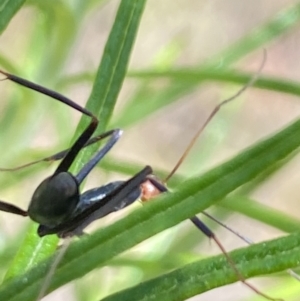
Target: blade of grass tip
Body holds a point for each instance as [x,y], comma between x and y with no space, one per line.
[278,25]
[191,197]
[7,10]
[112,69]
[205,275]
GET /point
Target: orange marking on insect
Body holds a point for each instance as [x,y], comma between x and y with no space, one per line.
[149,191]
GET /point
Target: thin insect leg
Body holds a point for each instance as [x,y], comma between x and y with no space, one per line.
[242,237]
[204,229]
[55,95]
[12,209]
[212,114]
[77,146]
[207,232]
[82,139]
[61,154]
[247,240]
[115,136]
[27,164]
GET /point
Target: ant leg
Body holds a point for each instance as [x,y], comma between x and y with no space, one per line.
[77,147]
[242,237]
[115,136]
[82,139]
[38,88]
[12,209]
[207,232]
[60,155]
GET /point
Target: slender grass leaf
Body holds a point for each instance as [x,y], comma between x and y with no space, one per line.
[191,197]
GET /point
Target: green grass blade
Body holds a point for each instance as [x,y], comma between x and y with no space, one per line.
[112,70]
[32,251]
[7,10]
[256,39]
[260,212]
[195,76]
[184,74]
[109,79]
[204,275]
[236,203]
[192,197]
[259,37]
[227,76]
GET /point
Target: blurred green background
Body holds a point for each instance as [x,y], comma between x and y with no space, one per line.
[59,44]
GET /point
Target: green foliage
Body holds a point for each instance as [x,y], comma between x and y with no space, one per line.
[52,37]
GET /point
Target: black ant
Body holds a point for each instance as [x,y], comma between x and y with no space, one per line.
[59,208]
[56,204]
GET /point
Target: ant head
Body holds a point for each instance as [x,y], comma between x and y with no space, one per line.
[55,199]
